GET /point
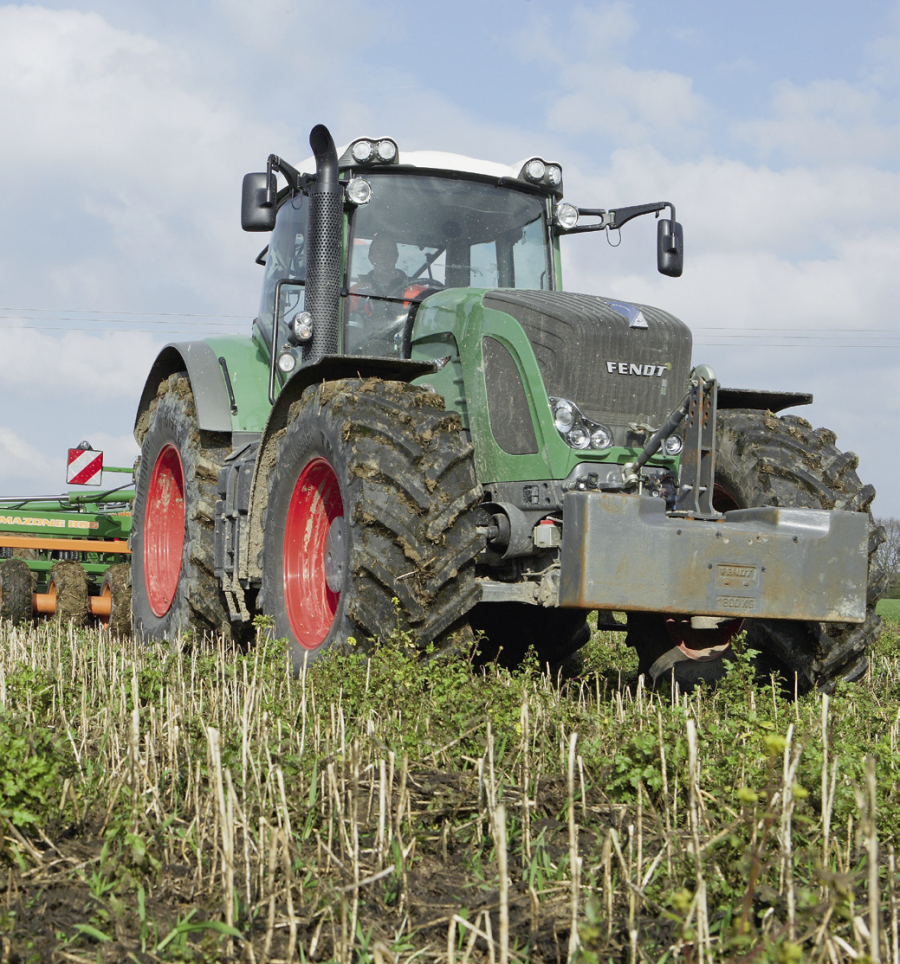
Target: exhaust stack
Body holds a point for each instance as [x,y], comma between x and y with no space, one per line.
[323,264]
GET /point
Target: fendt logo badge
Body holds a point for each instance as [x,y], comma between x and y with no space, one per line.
[629,368]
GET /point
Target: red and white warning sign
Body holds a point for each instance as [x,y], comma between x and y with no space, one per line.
[85,467]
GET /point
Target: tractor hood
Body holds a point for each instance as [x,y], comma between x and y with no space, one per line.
[622,364]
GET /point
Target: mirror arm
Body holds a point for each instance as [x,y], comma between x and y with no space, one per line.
[621,216]
[296,181]
[616,217]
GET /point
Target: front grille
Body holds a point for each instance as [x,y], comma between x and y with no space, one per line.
[577,339]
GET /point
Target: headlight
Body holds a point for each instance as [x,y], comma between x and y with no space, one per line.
[302,328]
[554,175]
[386,151]
[566,216]
[576,429]
[579,437]
[563,416]
[362,151]
[359,191]
[601,438]
[287,361]
[534,169]
[673,445]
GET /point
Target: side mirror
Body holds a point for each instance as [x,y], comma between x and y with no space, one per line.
[669,248]
[256,213]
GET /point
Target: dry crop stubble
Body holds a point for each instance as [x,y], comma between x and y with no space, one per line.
[201,803]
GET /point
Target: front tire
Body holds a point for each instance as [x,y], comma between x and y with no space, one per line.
[766,460]
[368,528]
[511,629]
[174,587]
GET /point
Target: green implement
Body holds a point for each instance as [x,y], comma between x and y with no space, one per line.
[67,556]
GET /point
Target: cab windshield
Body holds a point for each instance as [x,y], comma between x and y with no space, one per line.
[419,234]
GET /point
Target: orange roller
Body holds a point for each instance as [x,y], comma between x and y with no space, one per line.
[44,603]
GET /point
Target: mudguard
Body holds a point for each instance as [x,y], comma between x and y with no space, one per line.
[228,376]
[207,382]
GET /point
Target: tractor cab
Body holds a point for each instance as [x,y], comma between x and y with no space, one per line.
[410,226]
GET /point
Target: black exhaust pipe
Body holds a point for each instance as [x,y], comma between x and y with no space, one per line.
[323,257]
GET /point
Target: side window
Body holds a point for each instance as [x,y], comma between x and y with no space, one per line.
[530,257]
[483,265]
[286,257]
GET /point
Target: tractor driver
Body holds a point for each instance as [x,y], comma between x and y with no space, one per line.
[385,278]
[374,320]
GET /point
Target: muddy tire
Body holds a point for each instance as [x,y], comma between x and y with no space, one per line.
[511,629]
[15,591]
[68,583]
[369,502]
[115,584]
[766,460]
[174,587]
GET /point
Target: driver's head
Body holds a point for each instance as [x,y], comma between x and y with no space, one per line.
[383,251]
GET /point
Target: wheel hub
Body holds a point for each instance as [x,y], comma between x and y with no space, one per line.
[334,555]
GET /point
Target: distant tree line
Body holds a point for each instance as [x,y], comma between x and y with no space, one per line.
[889,556]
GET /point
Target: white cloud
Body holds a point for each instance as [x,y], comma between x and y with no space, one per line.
[798,214]
[823,122]
[21,463]
[626,105]
[125,163]
[81,367]
[597,92]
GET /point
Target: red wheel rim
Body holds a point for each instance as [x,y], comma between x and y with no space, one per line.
[164,530]
[315,504]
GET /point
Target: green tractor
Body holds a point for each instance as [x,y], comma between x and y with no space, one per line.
[425,432]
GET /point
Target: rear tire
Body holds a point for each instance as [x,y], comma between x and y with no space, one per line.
[174,587]
[15,591]
[368,529]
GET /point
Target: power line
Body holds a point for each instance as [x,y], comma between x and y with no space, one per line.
[781,344]
[849,331]
[104,311]
[823,338]
[119,331]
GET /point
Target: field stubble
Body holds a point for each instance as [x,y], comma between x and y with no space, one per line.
[200,804]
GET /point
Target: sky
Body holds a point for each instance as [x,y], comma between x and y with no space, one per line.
[774,129]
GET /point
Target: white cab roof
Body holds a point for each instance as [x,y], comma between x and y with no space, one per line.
[436,161]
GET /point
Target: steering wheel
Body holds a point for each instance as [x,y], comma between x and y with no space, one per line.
[366,304]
